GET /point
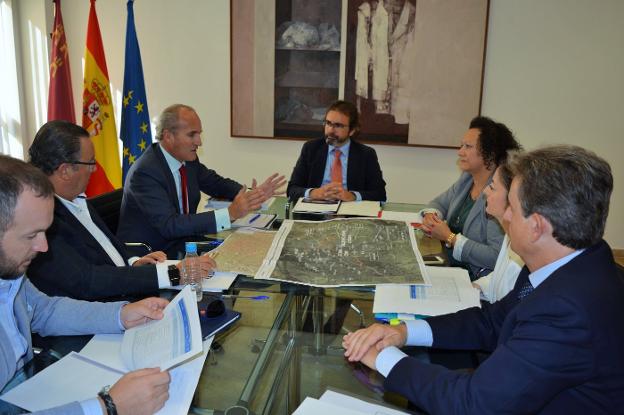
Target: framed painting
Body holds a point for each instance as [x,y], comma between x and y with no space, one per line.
[414,68]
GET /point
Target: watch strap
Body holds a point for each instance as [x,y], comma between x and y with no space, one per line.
[174,275]
[111,409]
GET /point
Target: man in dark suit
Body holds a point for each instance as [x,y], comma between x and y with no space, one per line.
[85,260]
[557,337]
[162,188]
[337,167]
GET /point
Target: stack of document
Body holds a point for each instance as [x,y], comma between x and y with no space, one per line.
[367,208]
[334,403]
[316,206]
[173,343]
[450,291]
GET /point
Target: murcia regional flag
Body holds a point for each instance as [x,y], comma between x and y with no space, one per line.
[97,113]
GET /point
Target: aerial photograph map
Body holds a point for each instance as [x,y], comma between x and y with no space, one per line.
[343,252]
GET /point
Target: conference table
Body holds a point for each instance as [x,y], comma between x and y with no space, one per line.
[289,346]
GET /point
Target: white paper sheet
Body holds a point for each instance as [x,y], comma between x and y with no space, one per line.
[366,208]
[410,217]
[355,404]
[73,378]
[254,220]
[311,406]
[214,204]
[76,377]
[167,342]
[450,291]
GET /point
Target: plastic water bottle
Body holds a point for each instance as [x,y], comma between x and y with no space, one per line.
[192,269]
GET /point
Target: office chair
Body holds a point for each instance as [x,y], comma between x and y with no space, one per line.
[108,206]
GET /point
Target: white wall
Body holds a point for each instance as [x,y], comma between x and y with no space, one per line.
[554,73]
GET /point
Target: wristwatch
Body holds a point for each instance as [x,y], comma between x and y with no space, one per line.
[111,409]
[174,275]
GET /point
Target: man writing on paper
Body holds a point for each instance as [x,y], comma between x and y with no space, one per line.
[162,189]
[337,167]
[557,337]
[26,211]
[85,260]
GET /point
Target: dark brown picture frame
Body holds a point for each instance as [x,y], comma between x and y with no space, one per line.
[439,89]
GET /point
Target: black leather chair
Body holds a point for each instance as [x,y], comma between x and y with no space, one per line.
[108,206]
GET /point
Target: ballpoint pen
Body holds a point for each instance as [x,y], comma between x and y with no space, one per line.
[254,218]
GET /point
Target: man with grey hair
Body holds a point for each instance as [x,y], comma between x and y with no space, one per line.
[557,337]
[26,205]
[93,263]
[162,188]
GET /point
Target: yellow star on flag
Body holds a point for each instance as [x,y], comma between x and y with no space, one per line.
[127,98]
[131,159]
[126,151]
[139,107]
[142,145]
[144,128]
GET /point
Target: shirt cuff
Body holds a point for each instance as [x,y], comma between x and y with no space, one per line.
[91,407]
[132,260]
[162,270]
[387,359]
[307,193]
[483,283]
[121,326]
[418,333]
[222,219]
[460,241]
[358,196]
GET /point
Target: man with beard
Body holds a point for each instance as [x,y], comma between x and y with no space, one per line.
[26,211]
[337,167]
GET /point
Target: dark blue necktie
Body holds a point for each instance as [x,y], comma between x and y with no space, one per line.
[525,290]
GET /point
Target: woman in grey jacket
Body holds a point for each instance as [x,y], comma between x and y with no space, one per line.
[457,217]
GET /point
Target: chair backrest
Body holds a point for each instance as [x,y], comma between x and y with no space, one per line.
[108,206]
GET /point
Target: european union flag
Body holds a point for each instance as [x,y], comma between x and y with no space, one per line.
[136,133]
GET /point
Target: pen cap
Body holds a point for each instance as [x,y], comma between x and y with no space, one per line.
[191,247]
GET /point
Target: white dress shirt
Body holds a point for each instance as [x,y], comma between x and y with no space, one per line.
[78,207]
[344,161]
[222,216]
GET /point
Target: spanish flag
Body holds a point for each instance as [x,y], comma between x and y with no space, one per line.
[97,113]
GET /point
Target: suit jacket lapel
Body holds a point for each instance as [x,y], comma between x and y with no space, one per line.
[353,167]
[170,183]
[85,236]
[318,165]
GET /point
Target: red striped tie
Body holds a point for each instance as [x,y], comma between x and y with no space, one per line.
[184,193]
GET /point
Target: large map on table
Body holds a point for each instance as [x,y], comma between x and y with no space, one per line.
[243,251]
[343,252]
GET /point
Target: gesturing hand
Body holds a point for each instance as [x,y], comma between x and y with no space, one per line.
[271,186]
